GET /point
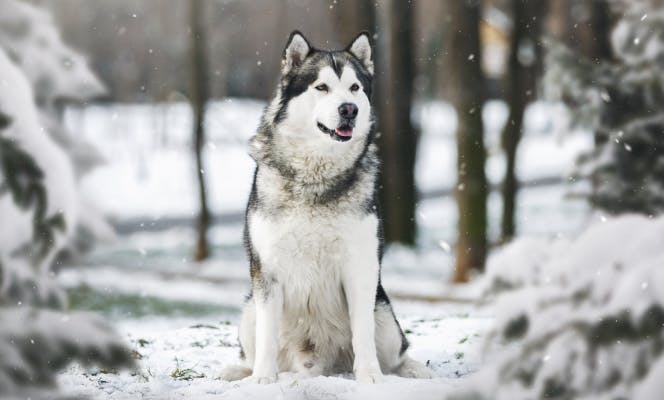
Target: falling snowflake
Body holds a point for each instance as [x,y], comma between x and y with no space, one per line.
[444,245]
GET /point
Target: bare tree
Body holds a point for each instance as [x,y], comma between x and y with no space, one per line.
[398,140]
[523,67]
[199,97]
[466,84]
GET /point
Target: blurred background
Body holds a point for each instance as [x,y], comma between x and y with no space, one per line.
[124,128]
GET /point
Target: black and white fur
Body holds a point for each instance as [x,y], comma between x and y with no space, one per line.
[313,233]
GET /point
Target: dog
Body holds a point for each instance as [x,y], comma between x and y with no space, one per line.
[313,231]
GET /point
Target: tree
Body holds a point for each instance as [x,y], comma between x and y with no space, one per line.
[398,138]
[466,88]
[38,215]
[598,50]
[620,100]
[600,25]
[199,96]
[59,75]
[523,66]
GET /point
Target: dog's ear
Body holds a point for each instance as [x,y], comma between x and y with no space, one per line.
[360,47]
[297,49]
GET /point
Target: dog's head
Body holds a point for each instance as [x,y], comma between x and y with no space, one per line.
[325,95]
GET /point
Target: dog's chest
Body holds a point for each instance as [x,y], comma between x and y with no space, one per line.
[302,242]
[306,252]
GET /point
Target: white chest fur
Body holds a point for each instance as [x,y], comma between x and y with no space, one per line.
[308,253]
[300,247]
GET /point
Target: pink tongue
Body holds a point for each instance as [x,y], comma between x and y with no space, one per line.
[345,132]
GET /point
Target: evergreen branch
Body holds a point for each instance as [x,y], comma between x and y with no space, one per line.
[25,181]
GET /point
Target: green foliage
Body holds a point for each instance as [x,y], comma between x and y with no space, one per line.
[185,374]
[23,178]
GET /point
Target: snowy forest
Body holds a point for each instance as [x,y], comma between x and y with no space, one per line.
[521,189]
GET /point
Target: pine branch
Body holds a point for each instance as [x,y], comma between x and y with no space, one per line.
[25,182]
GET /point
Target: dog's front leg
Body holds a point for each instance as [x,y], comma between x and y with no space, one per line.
[269,303]
[360,280]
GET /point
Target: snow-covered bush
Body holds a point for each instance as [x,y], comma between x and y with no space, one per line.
[59,75]
[581,319]
[37,175]
[620,99]
[56,71]
[38,204]
[35,343]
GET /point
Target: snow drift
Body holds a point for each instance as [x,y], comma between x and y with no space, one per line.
[578,319]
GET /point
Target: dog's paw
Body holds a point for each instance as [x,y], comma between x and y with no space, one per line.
[234,373]
[369,375]
[262,379]
[414,369]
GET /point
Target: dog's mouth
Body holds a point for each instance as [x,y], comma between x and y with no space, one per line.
[343,133]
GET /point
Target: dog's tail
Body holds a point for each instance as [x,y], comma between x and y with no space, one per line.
[234,373]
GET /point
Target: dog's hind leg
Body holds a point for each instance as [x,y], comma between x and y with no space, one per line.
[391,343]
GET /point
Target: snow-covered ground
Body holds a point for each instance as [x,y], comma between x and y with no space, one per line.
[180,359]
[181,320]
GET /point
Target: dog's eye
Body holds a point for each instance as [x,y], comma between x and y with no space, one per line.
[355,87]
[322,87]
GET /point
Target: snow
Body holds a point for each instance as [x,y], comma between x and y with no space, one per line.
[37,341]
[636,40]
[16,101]
[181,359]
[150,157]
[54,70]
[564,305]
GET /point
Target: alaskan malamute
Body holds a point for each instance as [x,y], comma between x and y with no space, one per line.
[313,231]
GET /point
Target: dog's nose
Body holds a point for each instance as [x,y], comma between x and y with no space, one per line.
[348,110]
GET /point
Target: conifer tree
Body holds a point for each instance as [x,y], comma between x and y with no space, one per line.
[621,101]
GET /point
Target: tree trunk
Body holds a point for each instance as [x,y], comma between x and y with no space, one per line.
[398,138]
[599,50]
[601,23]
[353,17]
[467,94]
[199,97]
[520,89]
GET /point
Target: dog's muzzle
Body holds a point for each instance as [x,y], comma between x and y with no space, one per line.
[343,132]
